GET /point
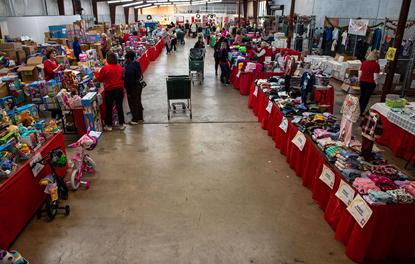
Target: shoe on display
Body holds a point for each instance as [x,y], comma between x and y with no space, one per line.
[107,128]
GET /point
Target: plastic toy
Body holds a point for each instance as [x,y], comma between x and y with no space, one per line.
[82,162]
[54,185]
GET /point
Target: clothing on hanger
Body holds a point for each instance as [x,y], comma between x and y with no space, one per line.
[335,34]
[344,38]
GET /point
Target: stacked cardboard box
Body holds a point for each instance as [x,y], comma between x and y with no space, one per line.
[14,51]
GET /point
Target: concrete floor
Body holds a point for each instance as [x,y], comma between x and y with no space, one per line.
[211,191]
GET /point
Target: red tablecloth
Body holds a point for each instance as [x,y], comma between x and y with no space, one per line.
[400,142]
[389,232]
[245,79]
[21,196]
[144,61]
[152,53]
[325,97]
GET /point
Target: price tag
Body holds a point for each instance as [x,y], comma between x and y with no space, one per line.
[269,107]
[327,176]
[345,193]
[360,211]
[256,91]
[284,124]
[299,140]
[38,167]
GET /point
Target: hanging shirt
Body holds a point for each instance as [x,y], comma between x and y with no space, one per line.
[333,45]
[371,126]
[344,38]
[335,34]
[351,108]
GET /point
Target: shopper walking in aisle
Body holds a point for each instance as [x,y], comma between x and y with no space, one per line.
[367,79]
[207,34]
[167,40]
[200,44]
[51,65]
[76,48]
[193,28]
[105,44]
[216,53]
[132,84]
[173,39]
[224,63]
[187,28]
[112,77]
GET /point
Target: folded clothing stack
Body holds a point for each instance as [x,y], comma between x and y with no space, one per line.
[380,197]
[384,183]
[351,174]
[364,185]
[347,160]
[400,196]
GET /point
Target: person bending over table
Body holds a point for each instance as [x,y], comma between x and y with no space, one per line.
[367,79]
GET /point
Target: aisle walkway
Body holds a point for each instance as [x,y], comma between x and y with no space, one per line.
[213,191]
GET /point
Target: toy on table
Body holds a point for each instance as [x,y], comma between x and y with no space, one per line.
[24,152]
[51,129]
[4,119]
[12,257]
[26,114]
[8,104]
[36,90]
[92,116]
[13,86]
[30,138]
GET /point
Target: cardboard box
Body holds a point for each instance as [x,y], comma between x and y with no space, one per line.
[30,72]
[85,47]
[11,46]
[29,50]
[10,54]
[98,48]
[62,59]
[21,56]
[3,90]
[4,71]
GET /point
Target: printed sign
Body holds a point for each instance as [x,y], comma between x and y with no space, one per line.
[358,26]
[36,169]
[327,176]
[256,91]
[360,211]
[345,193]
[299,140]
[390,54]
[284,124]
[269,107]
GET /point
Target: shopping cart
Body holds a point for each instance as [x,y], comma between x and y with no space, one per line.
[179,88]
[197,65]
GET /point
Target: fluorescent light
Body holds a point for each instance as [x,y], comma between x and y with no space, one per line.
[143,6]
[133,4]
[157,1]
[118,1]
[164,4]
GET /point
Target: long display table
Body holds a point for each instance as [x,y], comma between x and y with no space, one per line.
[388,233]
[21,195]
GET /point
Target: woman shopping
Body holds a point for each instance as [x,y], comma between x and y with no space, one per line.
[112,77]
[132,84]
[367,79]
[224,63]
[51,65]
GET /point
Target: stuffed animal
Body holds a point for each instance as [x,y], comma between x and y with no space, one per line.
[6,257]
[18,259]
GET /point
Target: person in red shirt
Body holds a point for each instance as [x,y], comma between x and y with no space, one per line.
[367,79]
[51,65]
[112,77]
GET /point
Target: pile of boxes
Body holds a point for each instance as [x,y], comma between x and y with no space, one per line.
[14,51]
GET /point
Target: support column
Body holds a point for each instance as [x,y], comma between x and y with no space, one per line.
[246,10]
[112,13]
[61,7]
[95,11]
[135,14]
[268,8]
[255,3]
[239,13]
[77,7]
[126,14]
[290,24]
[400,30]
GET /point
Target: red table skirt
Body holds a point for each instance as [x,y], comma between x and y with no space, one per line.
[144,61]
[21,196]
[400,142]
[245,79]
[389,232]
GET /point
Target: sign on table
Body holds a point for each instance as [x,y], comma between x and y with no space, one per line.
[345,193]
[299,140]
[360,211]
[284,124]
[269,107]
[36,169]
[327,176]
[256,91]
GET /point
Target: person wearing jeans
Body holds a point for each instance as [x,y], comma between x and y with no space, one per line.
[224,64]
[132,77]
[112,77]
[367,79]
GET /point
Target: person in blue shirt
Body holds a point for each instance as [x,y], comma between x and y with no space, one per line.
[76,48]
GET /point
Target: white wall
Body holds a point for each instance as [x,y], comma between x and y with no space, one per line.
[35,26]
[131,15]
[68,7]
[87,6]
[119,15]
[347,8]
[52,6]
[103,12]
